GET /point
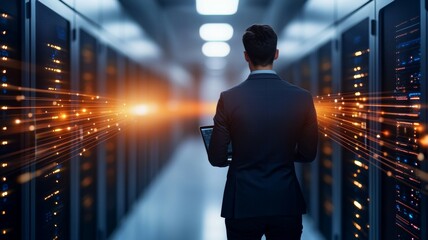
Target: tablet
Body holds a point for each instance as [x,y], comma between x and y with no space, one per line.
[206,132]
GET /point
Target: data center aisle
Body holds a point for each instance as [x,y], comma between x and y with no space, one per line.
[184,202]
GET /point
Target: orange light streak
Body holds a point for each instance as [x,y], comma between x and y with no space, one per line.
[100,118]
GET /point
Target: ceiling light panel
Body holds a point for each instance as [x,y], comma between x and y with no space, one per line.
[217,7]
[216,32]
[216,49]
[124,29]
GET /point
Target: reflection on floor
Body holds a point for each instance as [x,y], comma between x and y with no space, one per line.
[184,202]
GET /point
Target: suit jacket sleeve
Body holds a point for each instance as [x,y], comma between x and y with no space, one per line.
[220,138]
[306,148]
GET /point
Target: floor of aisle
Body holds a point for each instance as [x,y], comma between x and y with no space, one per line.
[184,202]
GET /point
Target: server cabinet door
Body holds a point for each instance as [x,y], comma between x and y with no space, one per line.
[53,129]
[353,125]
[401,125]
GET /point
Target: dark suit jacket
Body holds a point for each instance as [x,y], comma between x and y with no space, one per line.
[271,124]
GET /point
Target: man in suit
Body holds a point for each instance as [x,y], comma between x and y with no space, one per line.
[271,124]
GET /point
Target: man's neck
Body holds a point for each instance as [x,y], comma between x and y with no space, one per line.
[267,67]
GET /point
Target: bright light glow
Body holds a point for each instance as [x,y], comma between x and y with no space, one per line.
[424,140]
[358,205]
[358,163]
[216,49]
[216,32]
[217,7]
[356,183]
[143,109]
[357,226]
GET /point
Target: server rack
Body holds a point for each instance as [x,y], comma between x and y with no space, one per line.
[352,163]
[286,73]
[289,74]
[88,164]
[12,143]
[57,184]
[132,136]
[305,82]
[127,180]
[403,91]
[166,141]
[53,135]
[121,156]
[394,184]
[152,133]
[111,145]
[143,154]
[306,72]
[325,151]
[355,166]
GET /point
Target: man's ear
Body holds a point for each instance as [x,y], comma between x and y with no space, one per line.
[247,58]
[276,54]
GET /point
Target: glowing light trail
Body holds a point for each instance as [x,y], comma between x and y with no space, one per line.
[83,121]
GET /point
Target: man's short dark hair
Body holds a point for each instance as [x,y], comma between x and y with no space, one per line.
[260,44]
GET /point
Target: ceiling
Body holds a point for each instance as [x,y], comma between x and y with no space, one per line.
[174,26]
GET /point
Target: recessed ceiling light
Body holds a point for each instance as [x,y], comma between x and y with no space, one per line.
[217,7]
[216,32]
[215,49]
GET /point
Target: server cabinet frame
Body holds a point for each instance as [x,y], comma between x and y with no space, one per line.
[314,199]
[29,139]
[143,141]
[74,164]
[101,155]
[424,113]
[121,154]
[375,125]
[365,12]
[82,24]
